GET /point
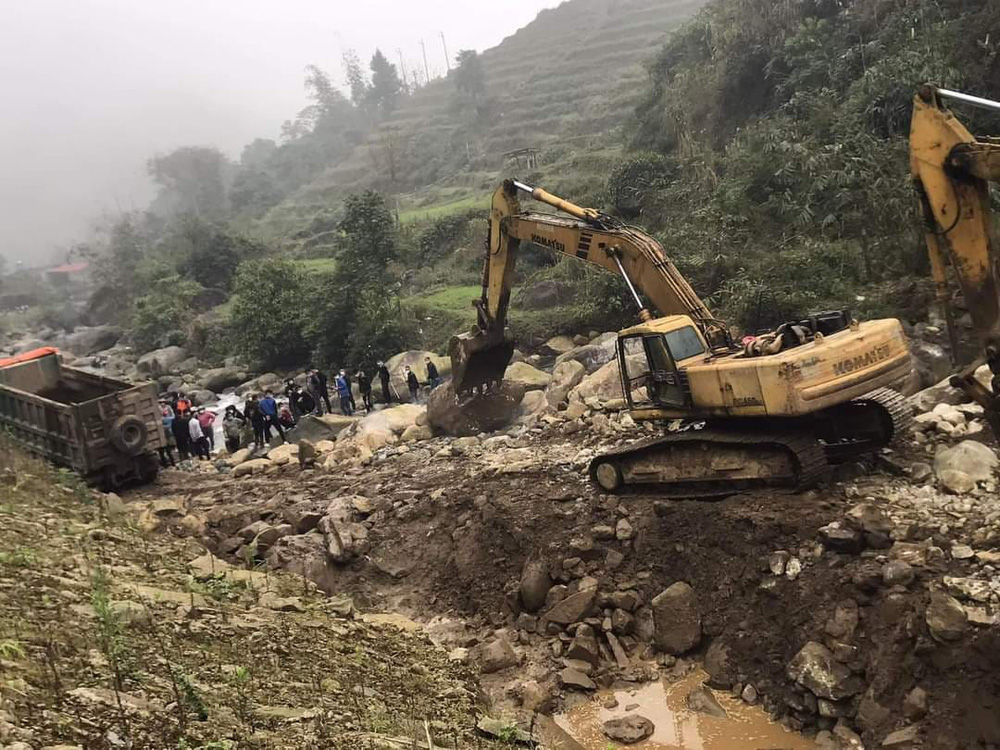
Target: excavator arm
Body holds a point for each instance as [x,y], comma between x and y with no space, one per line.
[480,358]
[951,171]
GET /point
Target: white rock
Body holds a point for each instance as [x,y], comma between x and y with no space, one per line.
[970,457]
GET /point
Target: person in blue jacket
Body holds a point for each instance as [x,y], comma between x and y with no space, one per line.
[344,391]
[269,408]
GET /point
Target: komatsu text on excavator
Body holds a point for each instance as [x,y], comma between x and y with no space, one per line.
[776,412]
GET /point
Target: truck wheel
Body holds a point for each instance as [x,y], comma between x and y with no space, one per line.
[129,435]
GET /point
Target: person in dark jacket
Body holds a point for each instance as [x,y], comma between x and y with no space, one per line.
[384,377]
[314,387]
[292,393]
[413,384]
[182,435]
[324,390]
[365,386]
[256,419]
[433,377]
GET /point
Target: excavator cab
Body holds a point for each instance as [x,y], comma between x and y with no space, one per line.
[652,357]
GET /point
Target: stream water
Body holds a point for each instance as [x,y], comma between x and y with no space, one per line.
[677,726]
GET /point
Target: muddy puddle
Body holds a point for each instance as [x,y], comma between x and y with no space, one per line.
[676,726]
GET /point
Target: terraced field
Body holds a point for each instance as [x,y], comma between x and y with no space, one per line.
[563,84]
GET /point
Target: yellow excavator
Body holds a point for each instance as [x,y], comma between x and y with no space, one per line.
[952,170]
[774,412]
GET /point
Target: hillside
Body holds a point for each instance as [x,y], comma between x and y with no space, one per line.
[565,83]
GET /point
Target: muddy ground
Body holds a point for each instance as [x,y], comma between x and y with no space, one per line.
[447,527]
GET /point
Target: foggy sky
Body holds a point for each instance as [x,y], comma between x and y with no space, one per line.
[90,89]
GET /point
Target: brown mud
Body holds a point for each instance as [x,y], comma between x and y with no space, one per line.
[449,536]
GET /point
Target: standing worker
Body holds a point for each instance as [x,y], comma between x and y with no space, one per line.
[232,428]
[314,387]
[433,376]
[269,408]
[344,391]
[256,419]
[167,451]
[324,390]
[199,443]
[365,386]
[413,384]
[182,435]
[350,390]
[383,376]
[207,421]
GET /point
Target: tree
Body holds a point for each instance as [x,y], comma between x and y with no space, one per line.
[116,262]
[385,86]
[268,311]
[359,316]
[357,82]
[470,77]
[192,179]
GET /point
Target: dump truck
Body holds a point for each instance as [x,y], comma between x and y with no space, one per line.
[106,430]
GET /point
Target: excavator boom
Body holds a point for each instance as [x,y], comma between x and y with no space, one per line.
[952,170]
[480,358]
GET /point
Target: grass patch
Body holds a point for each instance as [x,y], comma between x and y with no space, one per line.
[439,210]
[318,265]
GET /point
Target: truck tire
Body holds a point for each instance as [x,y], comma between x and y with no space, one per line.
[129,435]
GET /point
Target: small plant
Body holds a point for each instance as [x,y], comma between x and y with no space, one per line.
[10,649]
[22,557]
[240,681]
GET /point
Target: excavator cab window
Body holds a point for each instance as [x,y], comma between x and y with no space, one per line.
[649,372]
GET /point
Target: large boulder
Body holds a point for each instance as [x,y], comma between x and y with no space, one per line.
[161,361]
[932,362]
[605,384]
[221,378]
[970,457]
[470,415]
[544,295]
[558,345]
[565,377]
[415,359]
[594,355]
[532,405]
[314,429]
[530,377]
[87,341]
[677,618]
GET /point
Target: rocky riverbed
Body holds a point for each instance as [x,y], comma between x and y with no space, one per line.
[862,613]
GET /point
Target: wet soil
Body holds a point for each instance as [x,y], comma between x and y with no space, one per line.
[677,727]
[451,536]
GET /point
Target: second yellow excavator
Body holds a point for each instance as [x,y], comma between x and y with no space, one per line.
[774,412]
[952,171]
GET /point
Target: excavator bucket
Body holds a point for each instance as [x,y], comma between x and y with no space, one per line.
[479,361]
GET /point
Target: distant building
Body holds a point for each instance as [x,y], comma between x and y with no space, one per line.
[68,274]
[522,158]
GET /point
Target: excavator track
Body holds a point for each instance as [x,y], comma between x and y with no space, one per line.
[864,425]
[713,463]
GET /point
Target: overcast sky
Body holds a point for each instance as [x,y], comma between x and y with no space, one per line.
[91,88]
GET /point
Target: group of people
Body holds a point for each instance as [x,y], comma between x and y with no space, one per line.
[192,430]
[189,430]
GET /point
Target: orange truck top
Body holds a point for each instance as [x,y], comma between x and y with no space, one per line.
[28,356]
